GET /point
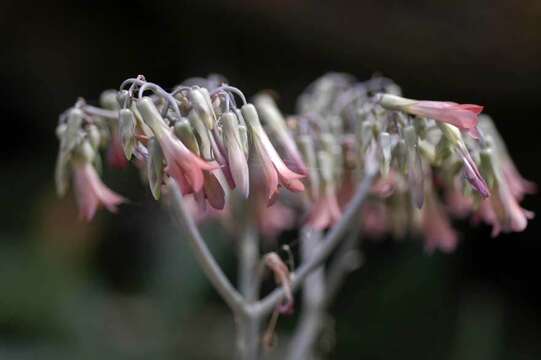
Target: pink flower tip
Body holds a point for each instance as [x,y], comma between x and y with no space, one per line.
[91,193]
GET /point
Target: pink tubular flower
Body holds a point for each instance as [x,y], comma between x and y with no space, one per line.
[463,116]
[518,186]
[91,192]
[437,230]
[115,153]
[503,212]
[471,172]
[325,212]
[273,219]
[458,204]
[374,219]
[272,170]
[274,119]
[183,166]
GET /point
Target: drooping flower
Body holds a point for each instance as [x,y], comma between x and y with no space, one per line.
[463,116]
[274,119]
[273,170]
[471,172]
[457,202]
[325,212]
[183,166]
[374,219]
[437,229]
[518,186]
[90,191]
[236,159]
[115,152]
[274,219]
[503,212]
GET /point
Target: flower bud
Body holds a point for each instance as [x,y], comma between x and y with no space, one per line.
[205,146]
[326,168]
[72,135]
[93,134]
[127,132]
[201,104]
[184,132]
[330,144]
[108,100]
[61,173]
[237,161]
[415,167]
[443,151]
[123,97]
[385,144]
[393,102]
[400,153]
[85,152]
[307,148]
[365,134]
[270,114]
[155,167]
[151,116]
[60,131]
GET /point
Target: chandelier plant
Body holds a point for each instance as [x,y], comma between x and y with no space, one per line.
[357,159]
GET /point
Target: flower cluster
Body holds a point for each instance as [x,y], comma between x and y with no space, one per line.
[433,159]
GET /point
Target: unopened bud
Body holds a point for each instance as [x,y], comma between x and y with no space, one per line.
[235,153]
[366,134]
[155,167]
[108,100]
[307,147]
[270,114]
[184,132]
[451,133]
[60,131]
[330,145]
[400,153]
[415,168]
[385,144]
[127,132]
[202,106]
[326,168]
[123,98]
[392,102]
[85,152]
[205,145]
[488,167]
[444,151]
[72,135]
[151,116]
[427,150]
[94,137]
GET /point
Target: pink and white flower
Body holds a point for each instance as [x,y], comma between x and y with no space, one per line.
[325,212]
[269,168]
[182,165]
[463,116]
[90,191]
[437,229]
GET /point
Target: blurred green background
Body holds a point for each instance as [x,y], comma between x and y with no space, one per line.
[127,287]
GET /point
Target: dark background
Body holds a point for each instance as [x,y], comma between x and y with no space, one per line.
[124,287]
